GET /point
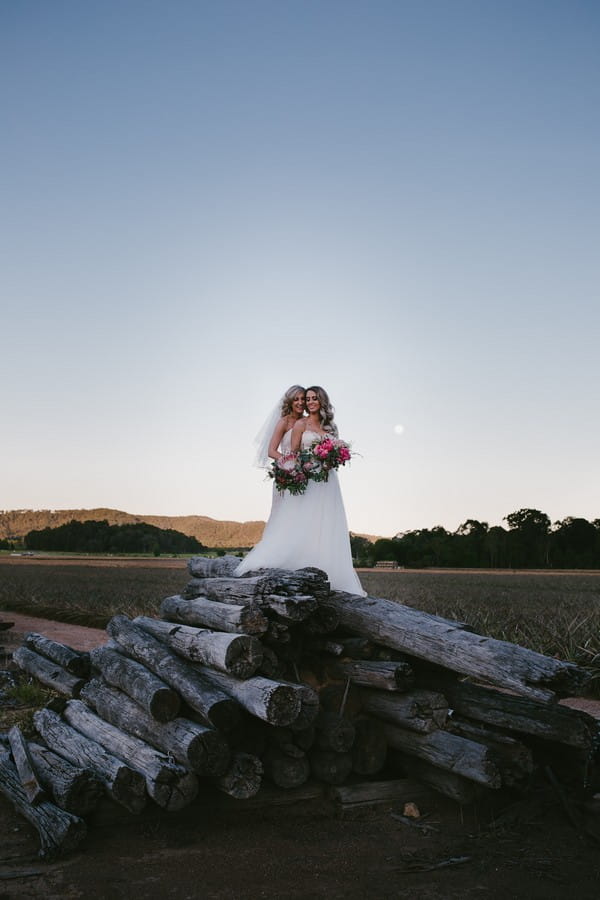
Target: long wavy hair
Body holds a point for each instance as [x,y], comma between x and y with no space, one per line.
[288,398]
[326,412]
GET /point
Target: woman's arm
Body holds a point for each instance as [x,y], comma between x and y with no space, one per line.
[276,438]
[297,432]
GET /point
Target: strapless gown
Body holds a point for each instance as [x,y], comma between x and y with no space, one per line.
[309,529]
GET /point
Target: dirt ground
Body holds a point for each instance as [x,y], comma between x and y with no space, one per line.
[517,848]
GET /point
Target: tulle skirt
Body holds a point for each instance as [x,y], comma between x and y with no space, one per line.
[309,529]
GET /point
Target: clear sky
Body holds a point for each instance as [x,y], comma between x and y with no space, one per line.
[205,202]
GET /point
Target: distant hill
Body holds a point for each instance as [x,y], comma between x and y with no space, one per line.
[16,523]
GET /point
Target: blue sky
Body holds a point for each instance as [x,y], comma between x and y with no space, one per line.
[204,202]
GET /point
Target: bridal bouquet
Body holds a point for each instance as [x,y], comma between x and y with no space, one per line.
[288,474]
[323,455]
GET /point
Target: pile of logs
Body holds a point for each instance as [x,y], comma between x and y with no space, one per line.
[274,677]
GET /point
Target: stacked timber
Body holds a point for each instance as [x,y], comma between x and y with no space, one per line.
[272,677]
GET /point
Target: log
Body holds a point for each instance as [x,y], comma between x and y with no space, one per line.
[297,608]
[197,747]
[215,706]
[418,710]
[322,621]
[369,793]
[211,614]
[236,654]
[333,732]
[32,788]
[242,778]
[74,662]
[169,784]
[73,788]
[206,567]
[513,758]
[254,588]
[451,785]
[449,752]
[272,701]
[550,722]
[150,692]
[124,785]
[59,831]
[424,636]
[386,676]
[286,771]
[330,767]
[250,736]
[369,749]
[271,666]
[48,673]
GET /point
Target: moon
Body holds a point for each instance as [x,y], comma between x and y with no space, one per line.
[398,429]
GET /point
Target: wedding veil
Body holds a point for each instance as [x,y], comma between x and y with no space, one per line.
[263,438]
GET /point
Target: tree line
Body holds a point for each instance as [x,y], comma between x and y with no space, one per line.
[100,537]
[530,541]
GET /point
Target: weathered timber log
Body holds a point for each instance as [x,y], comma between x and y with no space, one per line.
[456,787]
[551,722]
[417,710]
[309,705]
[243,777]
[33,789]
[214,705]
[73,788]
[123,784]
[369,793]
[333,732]
[73,661]
[284,770]
[271,666]
[513,758]
[421,635]
[272,701]
[448,751]
[305,737]
[328,766]
[385,676]
[369,749]
[342,698]
[361,648]
[169,784]
[150,692]
[212,614]
[277,633]
[297,608]
[205,567]
[59,831]
[48,673]
[322,621]
[197,747]
[236,654]
[254,588]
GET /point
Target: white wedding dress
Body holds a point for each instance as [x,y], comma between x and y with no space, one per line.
[307,529]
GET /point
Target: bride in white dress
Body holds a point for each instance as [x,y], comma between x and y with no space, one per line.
[308,529]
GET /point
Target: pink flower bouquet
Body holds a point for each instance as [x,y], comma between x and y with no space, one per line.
[288,474]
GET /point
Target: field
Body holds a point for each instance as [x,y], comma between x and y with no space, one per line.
[526,848]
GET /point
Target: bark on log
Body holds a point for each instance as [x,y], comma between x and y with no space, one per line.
[74,662]
[297,608]
[418,710]
[235,654]
[59,831]
[272,701]
[451,785]
[368,793]
[385,676]
[322,621]
[48,673]
[417,633]
[169,784]
[123,784]
[215,706]
[550,722]
[73,788]
[151,693]
[333,732]
[369,750]
[285,771]
[309,705]
[204,567]
[448,751]
[255,588]
[242,778]
[197,747]
[513,758]
[207,613]
[32,788]
[330,767]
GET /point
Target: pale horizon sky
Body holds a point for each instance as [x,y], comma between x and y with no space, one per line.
[205,202]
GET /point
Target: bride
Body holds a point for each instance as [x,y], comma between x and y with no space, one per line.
[308,529]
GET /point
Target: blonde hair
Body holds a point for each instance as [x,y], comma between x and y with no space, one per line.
[326,412]
[288,398]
